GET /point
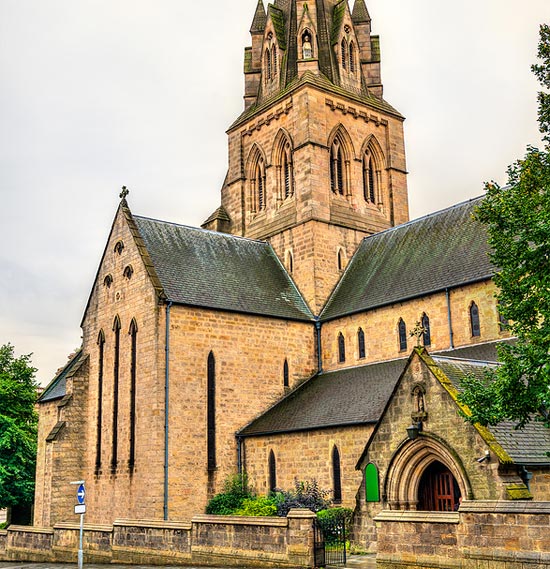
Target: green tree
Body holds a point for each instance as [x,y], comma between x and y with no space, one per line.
[18,428]
[517,217]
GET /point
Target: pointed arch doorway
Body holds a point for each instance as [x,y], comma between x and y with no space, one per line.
[438,490]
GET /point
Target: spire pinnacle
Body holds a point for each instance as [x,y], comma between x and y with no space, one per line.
[360,14]
[260,19]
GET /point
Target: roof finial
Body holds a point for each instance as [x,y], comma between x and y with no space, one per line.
[124,193]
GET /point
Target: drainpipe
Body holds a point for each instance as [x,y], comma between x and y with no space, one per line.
[166,406]
[449,318]
[319,352]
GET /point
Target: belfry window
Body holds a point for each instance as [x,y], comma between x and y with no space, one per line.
[426,334]
[402,330]
[274,60]
[260,185]
[336,476]
[344,52]
[352,57]
[369,178]
[211,411]
[287,172]
[361,343]
[268,64]
[337,168]
[474,320]
[341,348]
[100,364]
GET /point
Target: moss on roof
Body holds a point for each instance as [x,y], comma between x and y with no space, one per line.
[360,14]
[278,19]
[337,19]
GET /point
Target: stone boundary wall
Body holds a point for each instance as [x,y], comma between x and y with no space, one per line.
[206,540]
[487,534]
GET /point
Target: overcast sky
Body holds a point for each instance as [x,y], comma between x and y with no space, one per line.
[96,94]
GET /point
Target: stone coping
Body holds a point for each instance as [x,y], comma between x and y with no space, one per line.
[155,524]
[507,556]
[87,527]
[30,529]
[418,517]
[418,561]
[504,507]
[241,520]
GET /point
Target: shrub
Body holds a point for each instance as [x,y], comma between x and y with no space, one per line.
[306,494]
[231,499]
[259,506]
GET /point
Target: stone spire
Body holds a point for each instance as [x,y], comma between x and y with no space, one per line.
[360,14]
[260,19]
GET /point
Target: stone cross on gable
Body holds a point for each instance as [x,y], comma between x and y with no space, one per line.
[124,193]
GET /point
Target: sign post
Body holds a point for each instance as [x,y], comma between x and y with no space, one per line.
[80,508]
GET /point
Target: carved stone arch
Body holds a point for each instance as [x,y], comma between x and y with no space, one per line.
[133,328]
[116,323]
[255,171]
[101,337]
[372,145]
[410,461]
[340,132]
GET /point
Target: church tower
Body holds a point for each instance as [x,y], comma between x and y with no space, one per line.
[317,158]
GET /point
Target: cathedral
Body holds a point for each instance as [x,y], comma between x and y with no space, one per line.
[308,330]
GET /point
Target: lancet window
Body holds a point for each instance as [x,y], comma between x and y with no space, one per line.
[116,371]
[133,371]
[336,476]
[474,320]
[402,332]
[337,168]
[100,364]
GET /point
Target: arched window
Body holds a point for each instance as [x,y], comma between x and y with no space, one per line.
[341,348]
[287,172]
[352,57]
[119,247]
[100,364]
[133,360]
[128,272]
[344,50]
[340,260]
[272,472]
[337,168]
[336,476]
[108,281]
[361,343]
[426,334]
[274,60]
[474,320]
[438,489]
[289,262]
[260,184]
[285,374]
[211,412]
[372,487]
[116,371]
[267,64]
[402,329]
[369,178]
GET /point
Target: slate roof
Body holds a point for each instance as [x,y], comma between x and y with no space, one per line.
[528,446]
[360,14]
[349,396]
[57,388]
[443,250]
[215,270]
[345,397]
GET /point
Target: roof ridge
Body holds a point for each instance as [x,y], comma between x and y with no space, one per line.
[436,357]
[201,229]
[379,362]
[424,217]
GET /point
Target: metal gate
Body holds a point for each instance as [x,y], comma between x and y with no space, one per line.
[330,542]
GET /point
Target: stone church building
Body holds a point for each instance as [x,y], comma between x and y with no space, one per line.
[276,339]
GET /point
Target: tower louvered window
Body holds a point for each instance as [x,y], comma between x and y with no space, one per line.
[274,61]
[337,168]
[260,184]
[268,64]
[369,179]
[211,412]
[344,49]
[352,57]
[100,364]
